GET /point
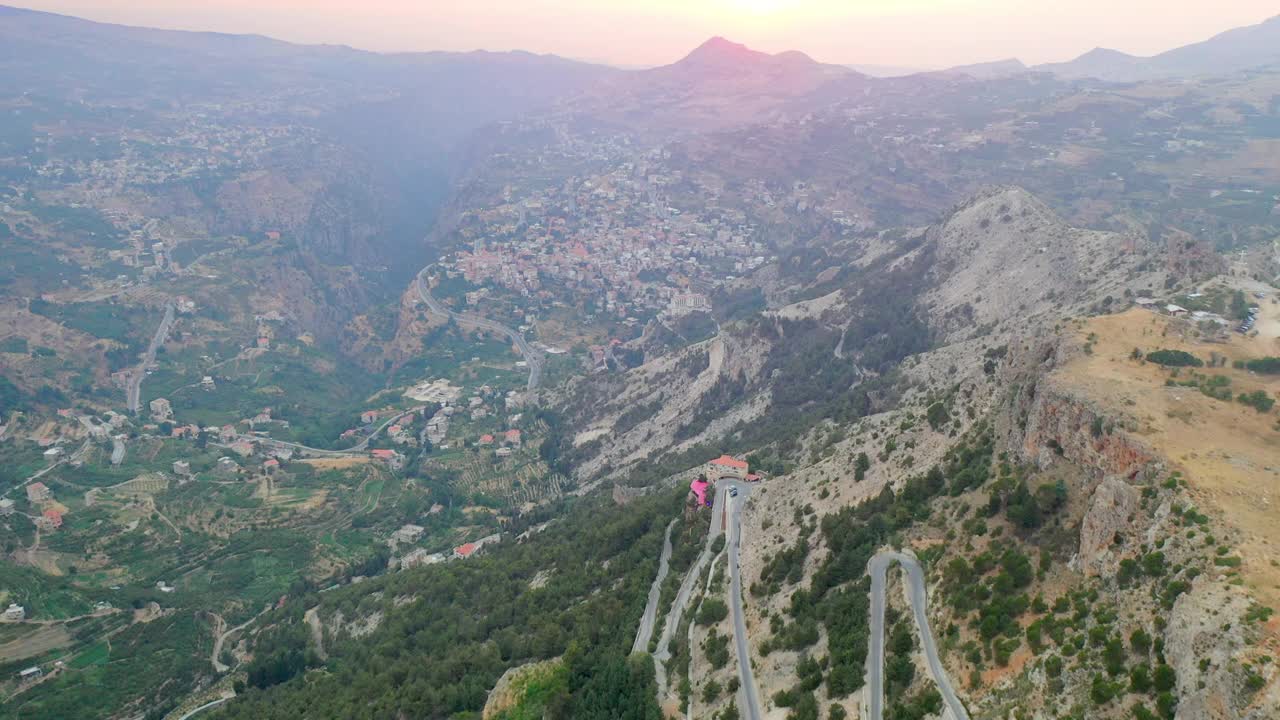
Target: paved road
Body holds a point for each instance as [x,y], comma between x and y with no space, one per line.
[645,633]
[222,638]
[80,451]
[206,706]
[678,606]
[133,390]
[356,449]
[531,356]
[878,568]
[725,509]
[750,701]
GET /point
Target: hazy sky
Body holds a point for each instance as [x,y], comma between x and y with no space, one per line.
[917,33]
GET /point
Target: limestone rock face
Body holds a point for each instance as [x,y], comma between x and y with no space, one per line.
[1110,511]
[1205,625]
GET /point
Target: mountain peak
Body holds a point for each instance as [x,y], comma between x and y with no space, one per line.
[1101,53]
[721,50]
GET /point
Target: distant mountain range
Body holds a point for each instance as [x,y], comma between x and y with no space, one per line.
[1244,48]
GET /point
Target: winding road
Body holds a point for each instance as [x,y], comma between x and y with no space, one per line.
[726,510]
[645,633]
[681,603]
[878,569]
[531,356]
[222,638]
[352,451]
[79,452]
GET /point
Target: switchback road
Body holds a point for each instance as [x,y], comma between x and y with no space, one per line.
[726,516]
[878,567]
[672,622]
[645,633]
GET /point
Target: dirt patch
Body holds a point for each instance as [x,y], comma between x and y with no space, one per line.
[1228,452]
[42,640]
[44,560]
[335,463]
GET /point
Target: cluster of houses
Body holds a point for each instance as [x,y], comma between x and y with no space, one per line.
[50,517]
[1177,311]
[610,237]
[507,442]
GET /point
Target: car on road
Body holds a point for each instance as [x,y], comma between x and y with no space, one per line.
[733,492]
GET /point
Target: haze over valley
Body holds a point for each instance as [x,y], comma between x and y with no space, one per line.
[350,384]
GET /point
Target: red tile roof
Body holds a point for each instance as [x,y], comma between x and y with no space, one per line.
[726,461]
[465,550]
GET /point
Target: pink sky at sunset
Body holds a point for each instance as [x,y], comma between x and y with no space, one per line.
[917,33]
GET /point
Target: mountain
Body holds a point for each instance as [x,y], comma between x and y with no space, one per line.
[885,71]
[928,314]
[720,84]
[1243,48]
[374,139]
[990,70]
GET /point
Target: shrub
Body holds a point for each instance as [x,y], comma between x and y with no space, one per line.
[1264,366]
[1258,400]
[1174,358]
[713,611]
[1164,678]
[937,416]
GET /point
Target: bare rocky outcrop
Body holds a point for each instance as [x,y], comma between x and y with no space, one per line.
[509,689]
[1050,421]
[1110,514]
[1047,269]
[1203,642]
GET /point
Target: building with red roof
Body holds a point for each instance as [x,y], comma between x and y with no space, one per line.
[486,439]
[391,457]
[465,550]
[699,488]
[727,466]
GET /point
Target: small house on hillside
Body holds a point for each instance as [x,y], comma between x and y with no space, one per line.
[392,458]
[38,492]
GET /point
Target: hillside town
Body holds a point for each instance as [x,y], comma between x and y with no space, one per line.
[611,240]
